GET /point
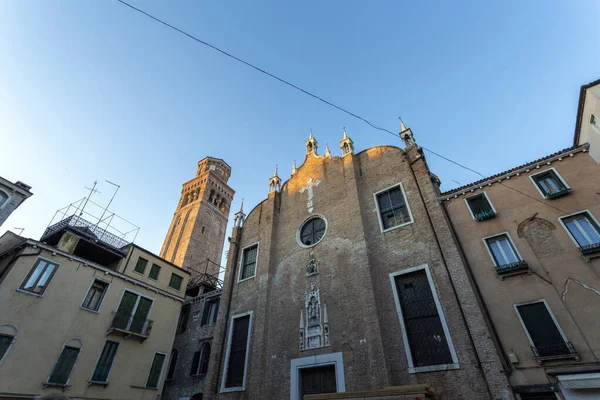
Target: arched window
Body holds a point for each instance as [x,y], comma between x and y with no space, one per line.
[66,362]
[172,364]
[8,334]
[3,198]
[204,358]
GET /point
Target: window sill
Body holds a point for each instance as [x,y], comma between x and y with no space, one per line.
[172,288]
[143,387]
[139,273]
[557,194]
[433,368]
[393,228]
[97,383]
[516,268]
[29,293]
[152,279]
[590,249]
[233,389]
[63,386]
[484,216]
[90,310]
[247,279]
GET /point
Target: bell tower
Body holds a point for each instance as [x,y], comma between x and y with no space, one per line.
[197,232]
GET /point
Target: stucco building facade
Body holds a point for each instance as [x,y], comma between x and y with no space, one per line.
[12,195]
[85,313]
[531,238]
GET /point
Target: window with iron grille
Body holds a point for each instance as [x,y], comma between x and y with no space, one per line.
[550,184]
[211,309]
[584,230]
[172,364]
[95,295]
[184,316]
[64,366]
[155,370]
[392,207]
[140,266]
[237,352]
[5,342]
[248,267]
[428,344]
[480,207]
[39,277]
[109,351]
[175,282]
[543,332]
[154,271]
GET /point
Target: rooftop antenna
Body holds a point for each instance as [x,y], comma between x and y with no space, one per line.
[21,229]
[111,199]
[92,191]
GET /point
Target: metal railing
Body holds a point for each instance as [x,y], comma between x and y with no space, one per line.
[590,249]
[131,324]
[88,229]
[512,267]
[558,194]
[554,351]
[482,216]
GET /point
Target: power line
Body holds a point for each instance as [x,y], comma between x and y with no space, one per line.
[375,126]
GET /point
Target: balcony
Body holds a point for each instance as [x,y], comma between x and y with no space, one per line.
[487,214]
[130,326]
[87,229]
[557,351]
[590,249]
[515,268]
[560,193]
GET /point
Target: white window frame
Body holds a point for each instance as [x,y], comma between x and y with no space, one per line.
[566,228]
[485,243]
[101,300]
[67,384]
[475,195]
[27,276]
[137,303]
[541,172]
[321,360]
[241,266]
[160,375]
[411,367]
[12,343]
[562,333]
[412,220]
[226,366]
[98,359]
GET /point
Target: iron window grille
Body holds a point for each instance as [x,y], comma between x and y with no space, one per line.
[249,256]
[585,232]
[480,207]
[39,277]
[392,207]
[550,184]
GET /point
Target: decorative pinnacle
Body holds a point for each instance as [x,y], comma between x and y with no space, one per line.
[327,152]
[241,207]
[294,168]
[275,173]
[345,136]
[311,135]
[402,127]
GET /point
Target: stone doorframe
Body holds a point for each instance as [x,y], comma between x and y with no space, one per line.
[316,361]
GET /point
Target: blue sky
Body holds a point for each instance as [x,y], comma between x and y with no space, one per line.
[92,90]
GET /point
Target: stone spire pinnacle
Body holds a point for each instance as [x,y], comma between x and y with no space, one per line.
[275,182]
[406,135]
[311,144]
[327,152]
[294,168]
[239,217]
[402,127]
[346,144]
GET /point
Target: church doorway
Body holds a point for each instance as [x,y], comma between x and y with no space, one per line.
[317,380]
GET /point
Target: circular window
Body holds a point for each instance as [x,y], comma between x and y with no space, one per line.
[311,231]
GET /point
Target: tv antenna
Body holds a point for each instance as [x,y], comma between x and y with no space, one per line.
[108,205]
[92,191]
[21,229]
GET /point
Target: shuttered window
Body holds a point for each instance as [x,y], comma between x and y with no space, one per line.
[422,323]
[236,362]
[105,361]
[5,341]
[172,364]
[184,317]
[155,370]
[547,339]
[64,366]
[175,282]
[140,266]
[211,309]
[204,358]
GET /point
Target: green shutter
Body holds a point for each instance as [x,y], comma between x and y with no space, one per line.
[5,341]
[140,266]
[105,361]
[125,310]
[141,314]
[155,370]
[62,370]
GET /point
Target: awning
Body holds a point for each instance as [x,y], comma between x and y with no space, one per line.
[580,381]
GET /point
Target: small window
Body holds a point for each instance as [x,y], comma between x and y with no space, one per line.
[196,316]
[175,282]
[546,338]
[248,267]
[39,277]
[64,366]
[154,271]
[140,266]
[550,184]
[172,364]
[585,231]
[480,207]
[5,342]
[392,207]
[155,370]
[105,361]
[184,316]
[95,295]
[503,253]
[200,360]
[211,309]
[594,121]
[237,353]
